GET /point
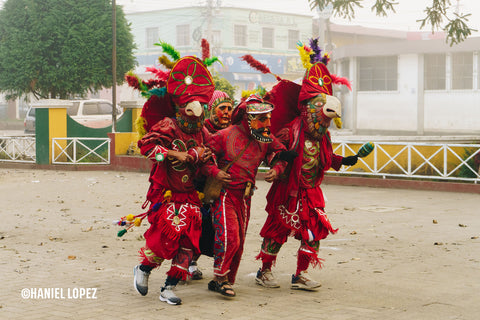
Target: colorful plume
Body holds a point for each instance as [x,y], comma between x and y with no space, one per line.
[159,74]
[316,55]
[169,49]
[163,59]
[205,49]
[304,52]
[341,81]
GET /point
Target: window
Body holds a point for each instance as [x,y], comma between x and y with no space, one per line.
[378,73]
[151,37]
[462,70]
[267,37]
[240,35]
[183,35]
[345,67]
[435,71]
[73,110]
[105,108]
[90,108]
[293,37]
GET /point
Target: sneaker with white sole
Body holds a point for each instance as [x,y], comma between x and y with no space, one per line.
[265,278]
[140,280]
[167,295]
[194,271]
[303,282]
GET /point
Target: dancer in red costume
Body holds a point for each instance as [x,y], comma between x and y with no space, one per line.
[220,108]
[246,143]
[295,203]
[173,119]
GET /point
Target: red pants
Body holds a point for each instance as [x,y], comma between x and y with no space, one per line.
[230,214]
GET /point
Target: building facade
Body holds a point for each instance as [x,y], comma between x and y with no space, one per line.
[270,37]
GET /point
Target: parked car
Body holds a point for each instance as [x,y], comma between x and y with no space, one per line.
[93,113]
[29,122]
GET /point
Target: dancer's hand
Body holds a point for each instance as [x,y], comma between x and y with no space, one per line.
[179,157]
[224,177]
[271,175]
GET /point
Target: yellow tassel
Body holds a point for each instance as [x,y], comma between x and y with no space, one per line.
[338,122]
[201,195]
[167,195]
[304,56]
[138,222]
[130,217]
[140,127]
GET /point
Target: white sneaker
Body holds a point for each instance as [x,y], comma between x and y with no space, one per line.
[140,280]
[303,282]
[265,278]
[194,271]
[167,295]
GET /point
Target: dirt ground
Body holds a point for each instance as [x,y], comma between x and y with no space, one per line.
[398,254]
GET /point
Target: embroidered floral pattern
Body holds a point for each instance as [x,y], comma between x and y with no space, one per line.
[193,74]
[317,77]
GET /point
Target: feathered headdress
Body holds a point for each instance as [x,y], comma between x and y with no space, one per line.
[186,79]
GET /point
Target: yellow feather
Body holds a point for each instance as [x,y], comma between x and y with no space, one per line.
[304,56]
[338,122]
[140,127]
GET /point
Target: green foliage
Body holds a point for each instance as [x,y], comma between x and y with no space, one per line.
[61,48]
[456,28]
[222,84]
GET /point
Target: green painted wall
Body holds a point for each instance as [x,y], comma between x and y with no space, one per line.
[42,140]
[76,130]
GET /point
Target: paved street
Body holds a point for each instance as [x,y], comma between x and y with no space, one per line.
[398,254]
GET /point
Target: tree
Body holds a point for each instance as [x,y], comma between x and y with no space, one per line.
[61,48]
[222,84]
[436,15]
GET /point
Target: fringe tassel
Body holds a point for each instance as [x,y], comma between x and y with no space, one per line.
[266,258]
[177,273]
[309,255]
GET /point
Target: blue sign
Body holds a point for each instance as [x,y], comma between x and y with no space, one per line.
[233,63]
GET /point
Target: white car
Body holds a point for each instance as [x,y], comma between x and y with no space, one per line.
[93,113]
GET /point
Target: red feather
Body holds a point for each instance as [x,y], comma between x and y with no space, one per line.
[155,83]
[159,74]
[132,81]
[340,80]
[205,49]
[254,63]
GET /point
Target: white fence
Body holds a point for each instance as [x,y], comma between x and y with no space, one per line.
[81,150]
[435,161]
[17,149]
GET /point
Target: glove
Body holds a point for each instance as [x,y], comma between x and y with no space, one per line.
[350,160]
[287,155]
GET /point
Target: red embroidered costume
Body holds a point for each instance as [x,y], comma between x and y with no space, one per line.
[295,203]
[173,121]
[249,141]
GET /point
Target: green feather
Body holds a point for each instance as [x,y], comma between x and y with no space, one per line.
[169,49]
[209,61]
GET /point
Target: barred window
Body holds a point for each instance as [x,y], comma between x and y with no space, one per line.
[183,35]
[435,71]
[151,37]
[378,73]
[240,35]
[462,70]
[293,37]
[267,37]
